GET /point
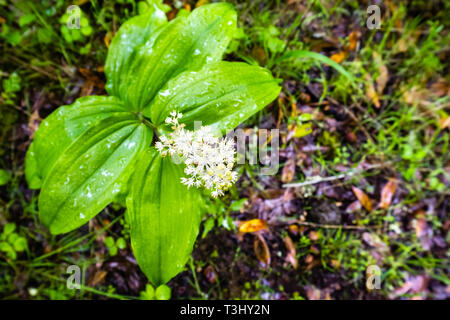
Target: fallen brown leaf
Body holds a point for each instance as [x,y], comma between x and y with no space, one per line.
[374,240]
[412,285]
[34,122]
[107,39]
[353,40]
[172,14]
[383,74]
[401,46]
[414,95]
[87,88]
[210,274]
[293,229]
[91,81]
[309,258]
[363,198]
[291,256]
[387,194]
[444,122]
[371,94]
[259,54]
[314,235]
[201,2]
[440,88]
[311,262]
[423,230]
[382,78]
[288,171]
[312,293]
[335,263]
[253,225]
[314,250]
[339,57]
[262,250]
[97,278]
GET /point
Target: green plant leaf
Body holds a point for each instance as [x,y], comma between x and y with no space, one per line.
[133,33]
[299,54]
[113,251]
[164,217]
[121,244]
[146,5]
[20,244]
[163,292]
[149,293]
[186,43]
[109,242]
[5,246]
[207,226]
[221,95]
[12,84]
[303,130]
[5,176]
[8,249]
[32,171]
[238,204]
[12,237]
[91,171]
[57,132]
[9,228]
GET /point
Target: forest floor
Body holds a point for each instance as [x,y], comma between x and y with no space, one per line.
[371,145]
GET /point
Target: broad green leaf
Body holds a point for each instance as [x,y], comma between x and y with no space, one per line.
[186,43]
[61,128]
[221,95]
[132,34]
[91,171]
[164,217]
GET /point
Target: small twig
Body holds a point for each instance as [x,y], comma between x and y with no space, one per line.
[318,180]
[35,68]
[325,226]
[332,178]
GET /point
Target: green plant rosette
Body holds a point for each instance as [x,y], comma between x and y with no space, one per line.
[86,155]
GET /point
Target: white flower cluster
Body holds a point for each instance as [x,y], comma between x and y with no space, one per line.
[209,160]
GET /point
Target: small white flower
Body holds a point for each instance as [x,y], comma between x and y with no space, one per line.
[209,160]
